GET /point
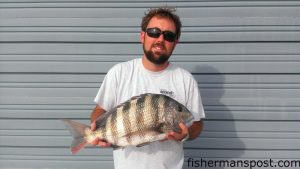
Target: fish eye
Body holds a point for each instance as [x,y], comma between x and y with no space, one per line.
[179,108]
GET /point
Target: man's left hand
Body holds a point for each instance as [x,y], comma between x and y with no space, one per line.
[178,136]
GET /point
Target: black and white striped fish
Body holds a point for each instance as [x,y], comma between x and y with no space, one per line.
[138,121]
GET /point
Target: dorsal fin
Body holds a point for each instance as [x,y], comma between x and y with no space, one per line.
[129,100]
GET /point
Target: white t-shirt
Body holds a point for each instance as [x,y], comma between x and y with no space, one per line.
[129,79]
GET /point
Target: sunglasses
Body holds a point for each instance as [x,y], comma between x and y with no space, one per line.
[156,32]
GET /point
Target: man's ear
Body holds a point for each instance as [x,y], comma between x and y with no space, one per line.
[142,37]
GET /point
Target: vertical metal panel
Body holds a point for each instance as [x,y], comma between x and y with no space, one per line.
[55,54]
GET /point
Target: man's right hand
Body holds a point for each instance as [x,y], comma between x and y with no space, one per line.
[99,142]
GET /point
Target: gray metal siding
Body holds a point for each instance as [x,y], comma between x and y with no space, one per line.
[54,55]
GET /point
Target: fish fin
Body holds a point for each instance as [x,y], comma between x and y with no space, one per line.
[78,132]
[132,98]
[145,137]
[78,144]
[158,137]
[115,147]
[137,97]
[165,127]
[143,144]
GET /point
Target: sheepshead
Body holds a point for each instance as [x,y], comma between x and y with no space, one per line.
[142,119]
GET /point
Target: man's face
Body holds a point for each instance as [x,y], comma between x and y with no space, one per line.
[158,50]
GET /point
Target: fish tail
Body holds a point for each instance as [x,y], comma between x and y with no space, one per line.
[78,132]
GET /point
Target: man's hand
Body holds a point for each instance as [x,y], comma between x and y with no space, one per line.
[99,142]
[184,131]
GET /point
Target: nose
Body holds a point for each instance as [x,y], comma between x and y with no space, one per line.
[161,38]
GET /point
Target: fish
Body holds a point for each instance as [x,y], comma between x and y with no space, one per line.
[137,122]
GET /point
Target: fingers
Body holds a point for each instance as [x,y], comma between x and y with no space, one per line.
[104,144]
[178,136]
[174,136]
[101,143]
[184,128]
[97,141]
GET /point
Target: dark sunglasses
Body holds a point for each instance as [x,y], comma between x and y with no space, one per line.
[156,32]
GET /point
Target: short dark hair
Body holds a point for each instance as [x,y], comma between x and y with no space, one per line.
[165,12]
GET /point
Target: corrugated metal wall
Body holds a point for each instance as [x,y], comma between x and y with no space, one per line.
[54,55]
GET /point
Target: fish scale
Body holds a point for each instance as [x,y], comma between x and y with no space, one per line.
[138,121]
[126,123]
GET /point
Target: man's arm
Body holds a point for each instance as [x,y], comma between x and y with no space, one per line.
[195,129]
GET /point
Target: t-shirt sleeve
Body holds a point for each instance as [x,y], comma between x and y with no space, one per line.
[194,101]
[107,94]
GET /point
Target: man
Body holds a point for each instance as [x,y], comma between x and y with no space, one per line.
[153,73]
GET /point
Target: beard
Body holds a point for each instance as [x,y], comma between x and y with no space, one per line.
[159,59]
